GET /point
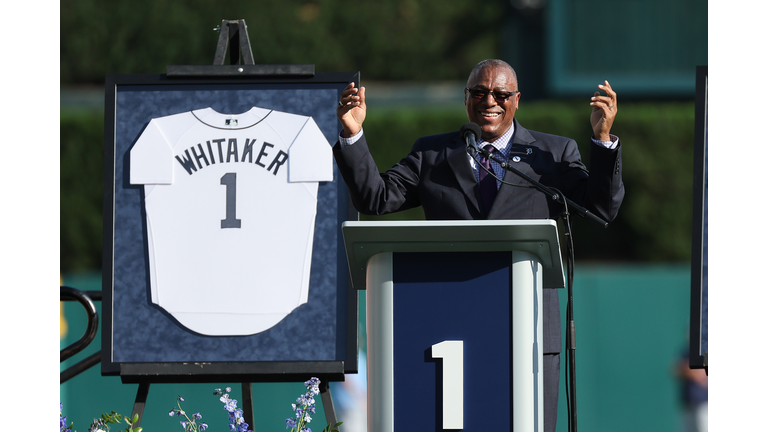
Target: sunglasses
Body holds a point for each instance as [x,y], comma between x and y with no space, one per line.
[481,93]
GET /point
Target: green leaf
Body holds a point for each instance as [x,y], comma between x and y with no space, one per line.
[334,428]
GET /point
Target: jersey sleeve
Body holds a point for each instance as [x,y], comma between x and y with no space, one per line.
[151,159]
[310,157]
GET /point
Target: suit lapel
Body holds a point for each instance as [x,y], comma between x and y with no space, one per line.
[456,155]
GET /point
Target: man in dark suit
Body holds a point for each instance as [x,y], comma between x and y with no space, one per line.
[449,184]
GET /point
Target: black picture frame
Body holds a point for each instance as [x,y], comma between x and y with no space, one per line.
[141,342]
[699,324]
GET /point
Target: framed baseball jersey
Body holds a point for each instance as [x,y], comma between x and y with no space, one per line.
[223,255]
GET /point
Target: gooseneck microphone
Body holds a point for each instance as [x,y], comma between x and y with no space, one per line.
[470,132]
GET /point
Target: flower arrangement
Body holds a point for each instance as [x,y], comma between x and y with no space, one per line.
[303,409]
[63,420]
[190,424]
[304,406]
[100,424]
[236,421]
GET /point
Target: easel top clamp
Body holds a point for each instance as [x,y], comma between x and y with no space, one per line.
[234,34]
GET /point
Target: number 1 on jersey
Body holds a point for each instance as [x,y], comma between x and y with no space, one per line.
[230,181]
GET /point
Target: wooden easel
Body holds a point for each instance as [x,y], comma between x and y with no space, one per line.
[233,34]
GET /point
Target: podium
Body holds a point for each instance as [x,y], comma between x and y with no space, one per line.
[454,321]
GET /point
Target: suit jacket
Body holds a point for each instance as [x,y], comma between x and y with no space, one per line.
[437,175]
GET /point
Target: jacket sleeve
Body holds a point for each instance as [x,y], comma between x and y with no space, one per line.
[602,192]
[375,193]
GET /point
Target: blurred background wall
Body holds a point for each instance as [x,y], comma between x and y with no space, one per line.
[414,57]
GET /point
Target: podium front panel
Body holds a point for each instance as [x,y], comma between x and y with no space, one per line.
[452,297]
[418,303]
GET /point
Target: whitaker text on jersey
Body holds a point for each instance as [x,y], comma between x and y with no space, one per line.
[226,150]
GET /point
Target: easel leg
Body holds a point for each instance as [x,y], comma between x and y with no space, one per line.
[330,411]
[248,404]
[141,401]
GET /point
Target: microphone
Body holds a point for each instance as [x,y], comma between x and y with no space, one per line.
[469,133]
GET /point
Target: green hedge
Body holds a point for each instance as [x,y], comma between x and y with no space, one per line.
[82,174]
[423,40]
[654,223]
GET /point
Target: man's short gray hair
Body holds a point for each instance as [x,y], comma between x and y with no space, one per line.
[491,63]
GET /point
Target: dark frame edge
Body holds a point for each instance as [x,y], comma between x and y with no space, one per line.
[202,372]
[353,296]
[697,359]
[246,71]
[107,286]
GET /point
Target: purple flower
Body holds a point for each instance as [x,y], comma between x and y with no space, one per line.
[63,420]
[203,426]
[304,406]
[229,404]
[313,385]
[96,426]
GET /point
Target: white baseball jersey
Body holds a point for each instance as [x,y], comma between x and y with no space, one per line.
[230,214]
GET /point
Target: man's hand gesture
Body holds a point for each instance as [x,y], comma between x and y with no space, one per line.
[603,112]
[351,110]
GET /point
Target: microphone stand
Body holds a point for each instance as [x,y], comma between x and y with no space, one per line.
[570,335]
[555,195]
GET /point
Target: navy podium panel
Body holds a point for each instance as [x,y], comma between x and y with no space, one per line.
[452,296]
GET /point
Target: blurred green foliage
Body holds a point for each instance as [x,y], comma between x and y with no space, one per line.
[81,189]
[654,223]
[395,40]
[399,40]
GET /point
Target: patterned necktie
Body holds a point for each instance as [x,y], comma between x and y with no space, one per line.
[487,181]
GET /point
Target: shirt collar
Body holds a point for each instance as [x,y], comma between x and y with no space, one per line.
[502,143]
